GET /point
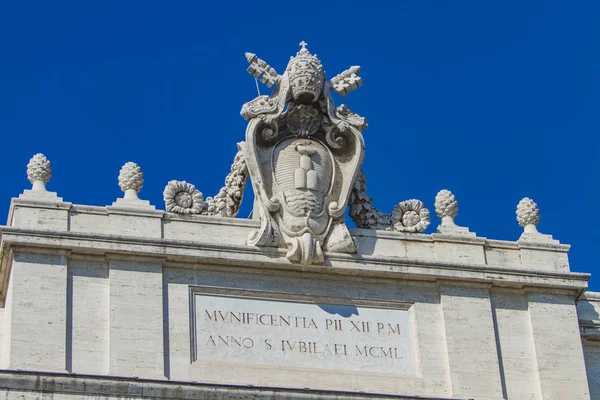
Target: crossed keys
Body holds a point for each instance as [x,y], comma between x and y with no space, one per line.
[262,71]
[342,84]
[347,81]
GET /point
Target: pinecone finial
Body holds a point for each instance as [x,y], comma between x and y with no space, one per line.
[131,179]
[528,215]
[446,207]
[39,172]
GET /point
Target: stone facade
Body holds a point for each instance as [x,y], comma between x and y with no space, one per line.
[127,301]
[87,302]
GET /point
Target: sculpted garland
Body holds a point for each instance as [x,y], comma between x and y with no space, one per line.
[303,156]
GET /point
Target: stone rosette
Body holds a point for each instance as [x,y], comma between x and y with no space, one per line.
[183,198]
[410,216]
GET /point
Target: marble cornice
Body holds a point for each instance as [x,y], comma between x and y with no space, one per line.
[590,331]
[192,253]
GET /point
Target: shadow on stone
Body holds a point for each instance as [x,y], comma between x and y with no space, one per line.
[342,311]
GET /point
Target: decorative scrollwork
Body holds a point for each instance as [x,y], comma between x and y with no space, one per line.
[258,106]
[350,117]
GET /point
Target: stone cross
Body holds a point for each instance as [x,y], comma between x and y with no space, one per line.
[303,44]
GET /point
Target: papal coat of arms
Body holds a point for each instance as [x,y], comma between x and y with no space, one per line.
[303,156]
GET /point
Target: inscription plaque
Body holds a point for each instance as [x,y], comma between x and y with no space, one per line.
[299,331]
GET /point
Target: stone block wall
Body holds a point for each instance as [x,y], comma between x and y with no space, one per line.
[86,299]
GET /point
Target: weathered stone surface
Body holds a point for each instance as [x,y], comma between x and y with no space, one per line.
[131,179]
[303,156]
[39,172]
[127,301]
[588,312]
[26,386]
[558,347]
[125,306]
[446,209]
[295,331]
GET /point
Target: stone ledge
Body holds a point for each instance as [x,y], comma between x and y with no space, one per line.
[92,385]
[248,223]
[146,221]
[590,331]
[205,219]
[591,296]
[192,253]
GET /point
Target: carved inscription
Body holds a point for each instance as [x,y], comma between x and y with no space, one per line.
[301,334]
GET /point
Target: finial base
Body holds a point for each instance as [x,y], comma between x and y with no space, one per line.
[530,228]
[449,227]
[38,186]
[131,194]
[448,221]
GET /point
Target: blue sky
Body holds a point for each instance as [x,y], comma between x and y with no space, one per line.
[492,100]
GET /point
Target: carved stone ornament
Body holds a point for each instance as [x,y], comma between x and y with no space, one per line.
[446,205]
[303,157]
[410,216]
[39,172]
[227,202]
[131,179]
[183,198]
[446,208]
[528,215]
